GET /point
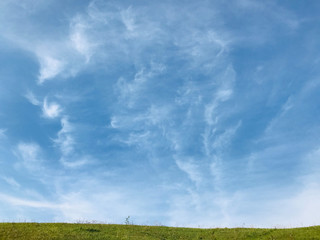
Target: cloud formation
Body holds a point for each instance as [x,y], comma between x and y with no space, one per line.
[50,110]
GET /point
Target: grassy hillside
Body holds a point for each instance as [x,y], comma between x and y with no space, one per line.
[65,231]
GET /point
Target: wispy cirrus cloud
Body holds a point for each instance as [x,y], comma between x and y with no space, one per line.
[11,181]
[80,40]
[49,109]
[191,168]
[2,133]
[61,51]
[66,142]
[26,203]
[65,139]
[32,99]
[30,154]
[49,67]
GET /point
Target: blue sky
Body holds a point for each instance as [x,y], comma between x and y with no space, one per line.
[180,113]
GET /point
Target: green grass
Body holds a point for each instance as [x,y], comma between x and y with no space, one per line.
[64,231]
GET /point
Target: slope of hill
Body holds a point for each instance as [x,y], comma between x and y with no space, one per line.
[64,231]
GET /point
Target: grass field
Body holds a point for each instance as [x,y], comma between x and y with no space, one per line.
[66,231]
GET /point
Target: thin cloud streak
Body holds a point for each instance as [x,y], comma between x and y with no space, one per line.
[50,110]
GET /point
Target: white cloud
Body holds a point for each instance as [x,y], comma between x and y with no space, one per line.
[70,207]
[138,139]
[27,203]
[79,162]
[268,20]
[205,50]
[210,113]
[27,6]
[286,107]
[94,200]
[49,67]
[50,110]
[88,199]
[128,19]
[11,181]
[79,38]
[30,154]
[157,115]
[32,99]
[60,53]
[130,91]
[29,151]
[223,93]
[300,209]
[205,209]
[296,208]
[114,123]
[222,141]
[2,133]
[65,140]
[191,168]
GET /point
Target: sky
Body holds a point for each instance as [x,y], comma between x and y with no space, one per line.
[178,113]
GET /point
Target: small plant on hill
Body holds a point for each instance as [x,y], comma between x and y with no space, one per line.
[127,221]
